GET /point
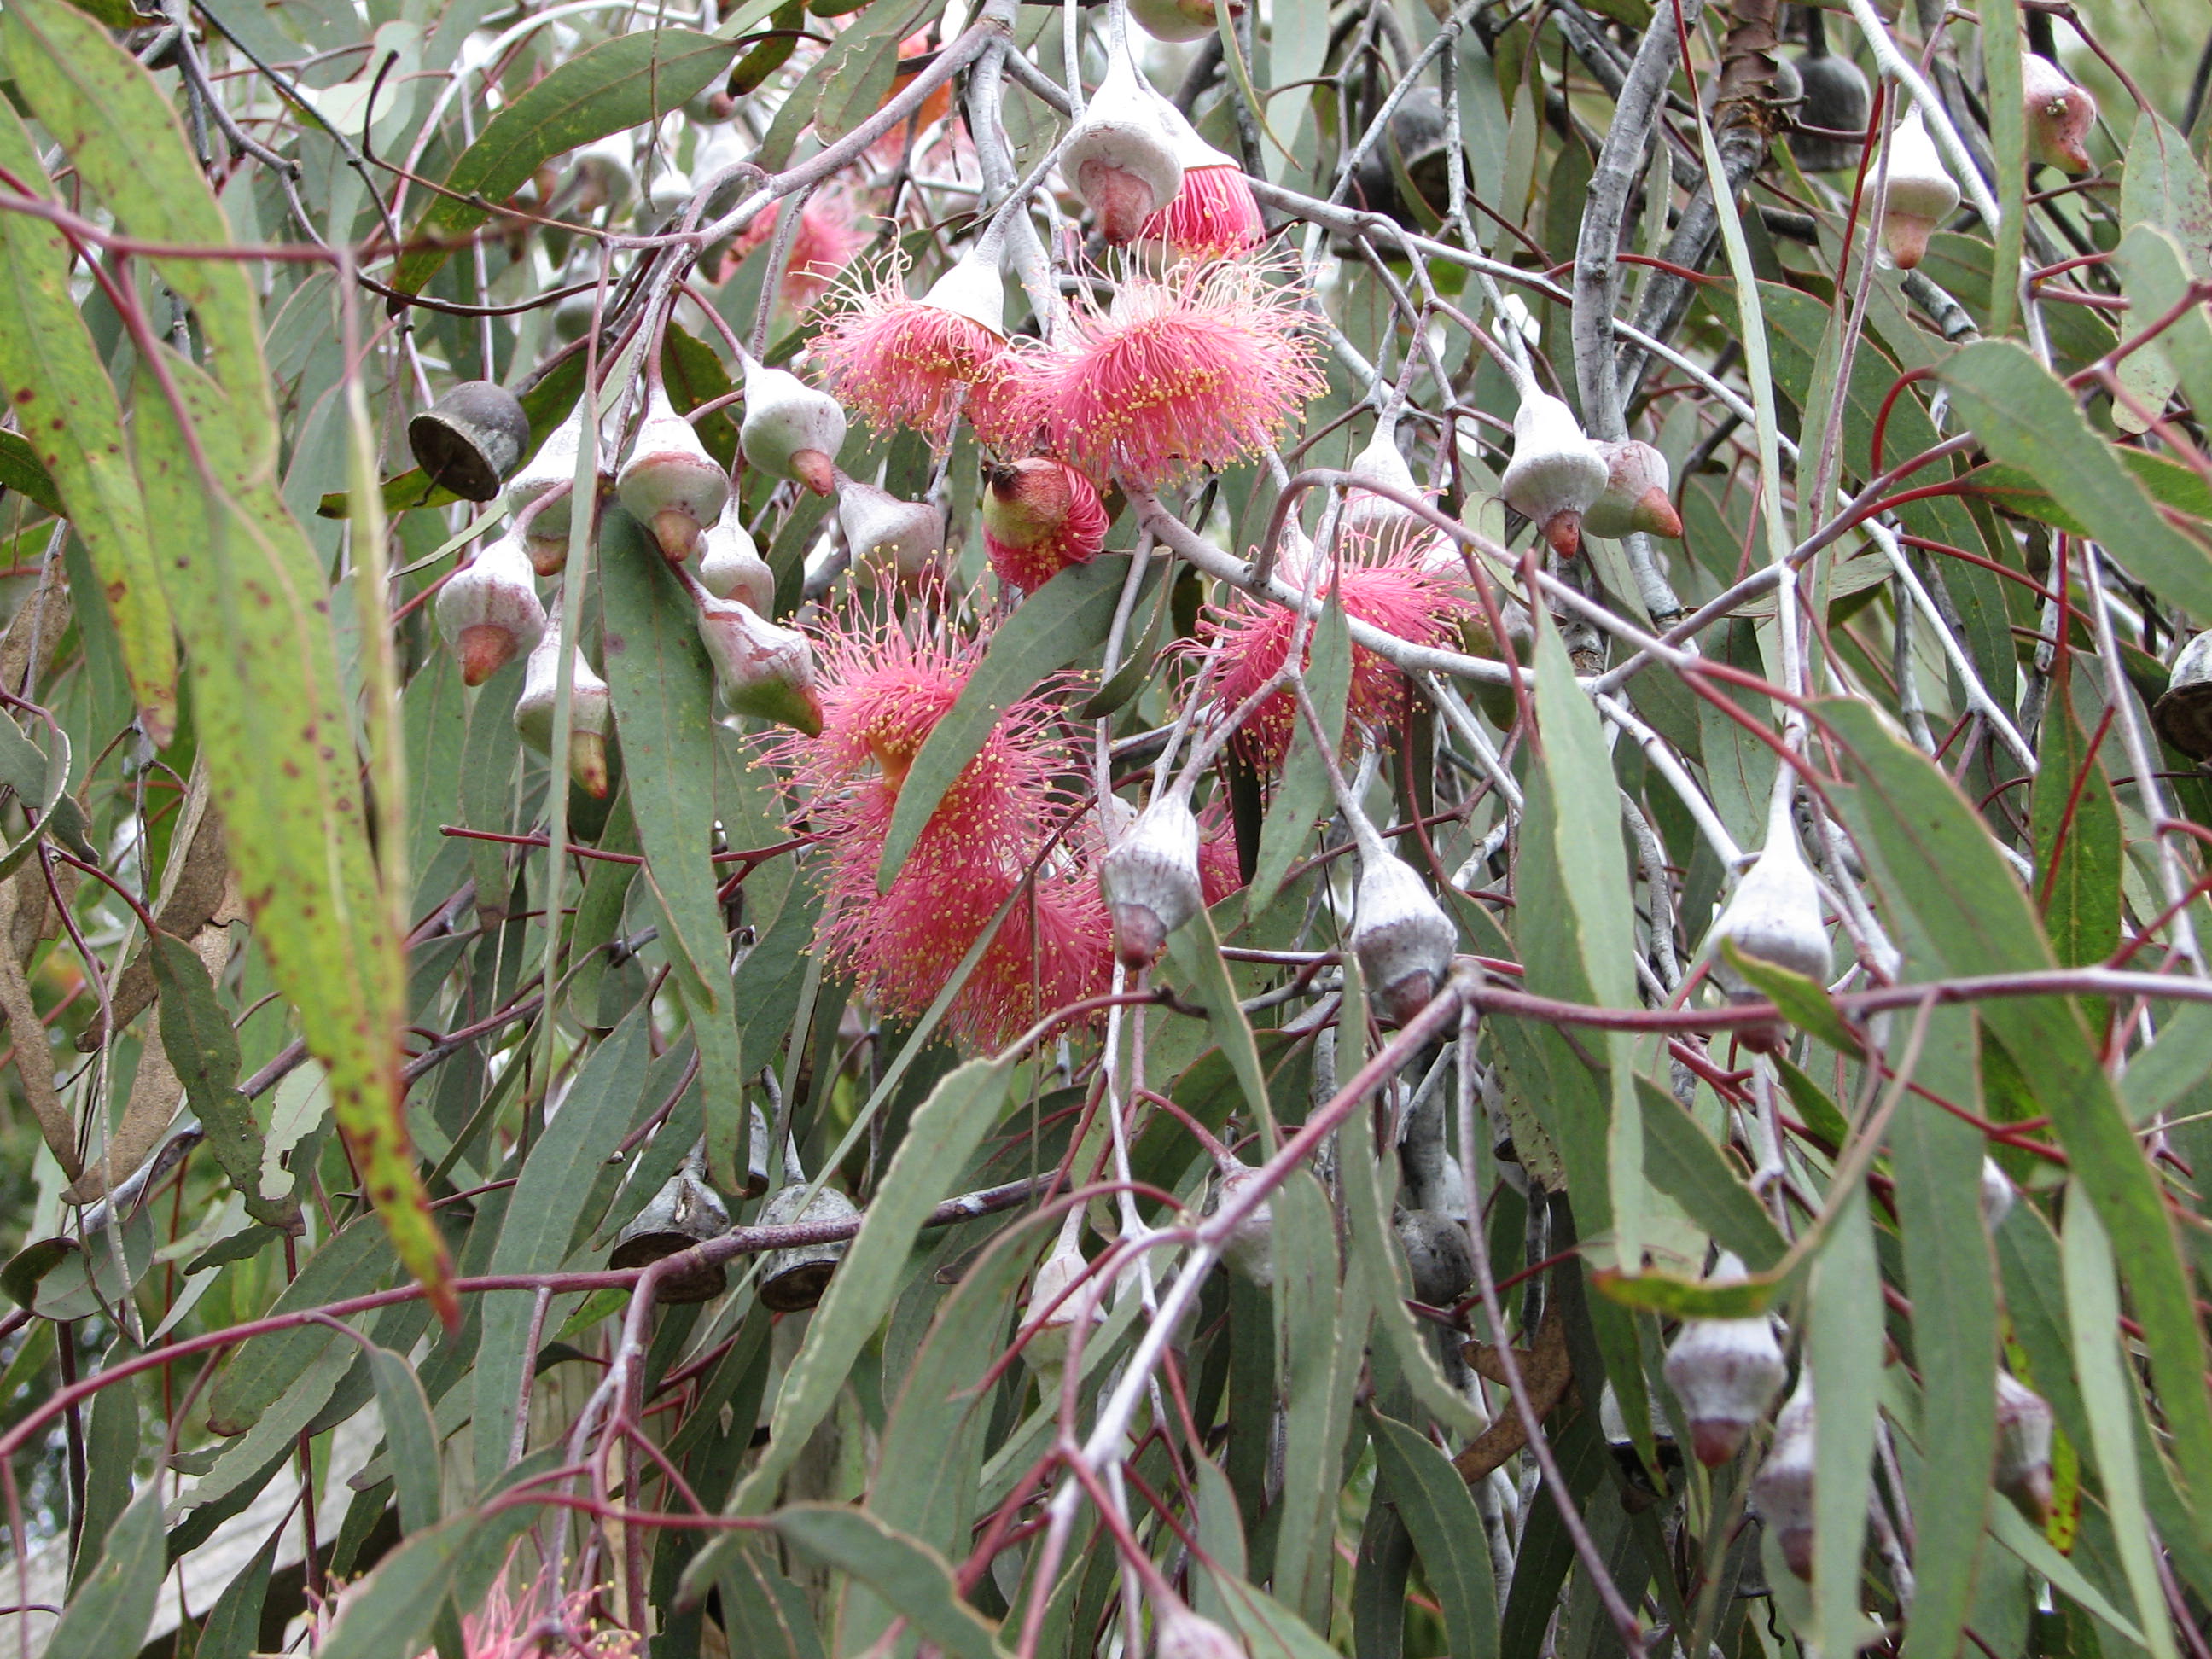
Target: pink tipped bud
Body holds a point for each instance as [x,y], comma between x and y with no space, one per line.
[764,670]
[1635,493]
[1403,938]
[731,568]
[891,540]
[1782,1491]
[1151,880]
[1040,516]
[671,482]
[2023,1461]
[542,496]
[1726,1373]
[1774,917]
[1921,193]
[791,430]
[1249,1248]
[1178,19]
[1556,471]
[488,611]
[1119,156]
[1180,1633]
[2059,115]
[588,713]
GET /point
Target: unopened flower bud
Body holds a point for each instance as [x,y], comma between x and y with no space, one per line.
[1782,1491]
[588,712]
[1249,1248]
[1040,516]
[2023,1460]
[1120,157]
[1055,1306]
[1726,1373]
[2059,115]
[1180,1633]
[1921,193]
[763,670]
[671,482]
[487,610]
[1386,521]
[1774,917]
[791,430]
[1996,1195]
[542,496]
[1635,493]
[1556,471]
[1437,1254]
[730,567]
[1178,19]
[891,540]
[1151,881]
[1401,936]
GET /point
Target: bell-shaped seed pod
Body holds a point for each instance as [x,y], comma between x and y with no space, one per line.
[1635,493]
[1178,19]
[2023,1460]
[1726,1373]
[1120,157]
[791,430]
[588,712]
[1773,917]
[793,1279]
[2184,715]
[1248,1251]
[670,482]
[1782,1491]
[1921,193]
[1556,471]
[600,176]
[2059,115]
[762,669]
[542,496]
[1151,879]
[471,439]
[1439,1255]
[487,610]
[685,1212]
[1180,1633]
[1998,1193]
[1055,1304]
[1401,936]
[1836,99]
[730,567]
[1378,516]
[891,540]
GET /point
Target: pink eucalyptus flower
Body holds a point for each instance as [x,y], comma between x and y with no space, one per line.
[1387,589]
[1219,872]
[1193,372]
[883,692]
[1040,516]
[823,245]
[908,363]
[1213,217]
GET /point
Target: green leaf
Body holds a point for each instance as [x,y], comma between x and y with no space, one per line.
[913,1578]
[389,1614]
[1303,795]
[1845,1349]
[1954,906]
[2163,186]
[1440,1514]
[109,1613]
[353,1262]
[2170,484]
[943,1136]
[2077,841]
[1066,617]
[412,1436]
[2026,418]
[70,455]
[1803,1003]
[606,89]
[549,1198]
[1196,953]
[1681,1161]
[270,707]
[1321,1328]
[232,1629]
[204,1048]
[855,74]
[2156,270]
[664,698]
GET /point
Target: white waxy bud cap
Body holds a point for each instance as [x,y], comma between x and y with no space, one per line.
[1998,1193]
[1119,156]
[1149,877]
[791,430]
[1726,1372]
[1401,936]
[1556,471]
[891,540]
[730,567]
[2023,1461]
[588,712]
[1773,917]
[1920,193]
[1782,1491]
[763,670]
[1635,493]
[601,175]
[1437,1254]
[974,289]
[670,482]
[1056,1304]
[1380,463]
[487,610]
[1180,1633]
